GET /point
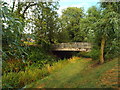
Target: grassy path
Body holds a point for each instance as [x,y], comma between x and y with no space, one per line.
[78,74]
[111,77]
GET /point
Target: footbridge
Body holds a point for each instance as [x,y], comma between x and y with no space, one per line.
[73,46]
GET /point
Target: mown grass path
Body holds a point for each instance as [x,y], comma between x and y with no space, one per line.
[111,77]
[78,74]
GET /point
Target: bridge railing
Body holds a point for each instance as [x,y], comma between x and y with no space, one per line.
[74,45]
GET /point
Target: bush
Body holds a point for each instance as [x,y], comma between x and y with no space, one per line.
[84,54]
[112,50]
[10,80]
[13,66]
[95,54]
[39,57]
[30,74]
[56,65]
[18,73]
[22,78]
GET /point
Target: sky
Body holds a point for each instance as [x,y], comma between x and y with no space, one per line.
[76,3]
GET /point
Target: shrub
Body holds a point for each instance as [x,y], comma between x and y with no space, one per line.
[39,56]
[13,66]
[95,54]
[84,54]
[10,80]
[22,78]
[112,50]
[56,65]
[31,73]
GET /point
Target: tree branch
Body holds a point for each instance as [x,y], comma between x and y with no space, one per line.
[13,5]
[27,8]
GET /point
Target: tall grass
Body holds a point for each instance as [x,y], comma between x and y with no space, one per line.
[32,73]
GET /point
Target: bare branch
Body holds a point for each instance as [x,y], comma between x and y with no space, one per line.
[13,5]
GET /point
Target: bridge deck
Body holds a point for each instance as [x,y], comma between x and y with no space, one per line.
[77,46]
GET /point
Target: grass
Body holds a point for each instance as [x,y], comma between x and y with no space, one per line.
[79,73]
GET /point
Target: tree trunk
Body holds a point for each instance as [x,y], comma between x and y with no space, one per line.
[102,51]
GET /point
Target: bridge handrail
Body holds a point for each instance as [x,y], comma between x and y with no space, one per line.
[72,45]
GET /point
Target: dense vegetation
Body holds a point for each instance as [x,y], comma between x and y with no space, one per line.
[99,26]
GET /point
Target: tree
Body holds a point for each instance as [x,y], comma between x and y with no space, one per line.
[94,16]
[45,19]
[21,8]
[62,34]
[71,18]
[12,30]
[110,24]
[105,28]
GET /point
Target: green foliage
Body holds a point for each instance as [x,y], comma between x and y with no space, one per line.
[112,50]
[45,20]
[12,29]
[63,37]
[13,77]
[13,66]
[71,20]
[95,54]
[84,54]
[30,74]
[20,79]
[106,24]
[39,56]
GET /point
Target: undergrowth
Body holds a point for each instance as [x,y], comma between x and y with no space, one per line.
[15,79]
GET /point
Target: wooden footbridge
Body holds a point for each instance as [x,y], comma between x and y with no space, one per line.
[73,46]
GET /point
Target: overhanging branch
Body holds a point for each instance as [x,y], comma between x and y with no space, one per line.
[27,8]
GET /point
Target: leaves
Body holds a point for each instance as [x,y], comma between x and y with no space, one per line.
[12,31]
[71,21]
